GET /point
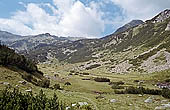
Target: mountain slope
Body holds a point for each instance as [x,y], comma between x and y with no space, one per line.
[131,24]
[6,36]
[24,67]
[129,49]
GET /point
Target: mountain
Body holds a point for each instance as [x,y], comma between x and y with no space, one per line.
[7,37]
[31,42]
[131,24]
[24,67]
[161,16]
[137,46]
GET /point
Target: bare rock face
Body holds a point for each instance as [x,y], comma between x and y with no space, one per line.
[161,16]
[168,27]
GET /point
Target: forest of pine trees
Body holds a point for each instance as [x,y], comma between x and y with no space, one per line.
[8,57]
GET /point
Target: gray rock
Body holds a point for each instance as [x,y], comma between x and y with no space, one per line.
[82,103]
[67,108]
[22,82]
[29,90]
[163,101]
[148,100]
[73,105]
[168,27]
[6,83]
[140,95]
[113,100]
[163,107]
[167,105]
[160,108]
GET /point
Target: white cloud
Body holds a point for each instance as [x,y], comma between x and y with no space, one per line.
[73,18]
[142,9]
[69,18]
[82,21]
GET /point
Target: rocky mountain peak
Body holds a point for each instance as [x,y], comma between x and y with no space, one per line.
[131,24]
[161,16]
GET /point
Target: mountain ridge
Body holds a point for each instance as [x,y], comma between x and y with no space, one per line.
[137,40]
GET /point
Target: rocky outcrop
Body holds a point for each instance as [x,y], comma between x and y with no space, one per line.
[161,16]
[168,27]
[152,64]
[131,24]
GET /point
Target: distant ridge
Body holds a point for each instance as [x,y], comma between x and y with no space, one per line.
[131,24]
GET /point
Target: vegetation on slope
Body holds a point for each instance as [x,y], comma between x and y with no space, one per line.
[9,58]
[15,100]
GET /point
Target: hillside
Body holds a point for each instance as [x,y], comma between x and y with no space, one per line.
[25,68]
[131,24]
[142,47]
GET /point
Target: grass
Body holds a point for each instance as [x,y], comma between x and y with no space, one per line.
[86,90]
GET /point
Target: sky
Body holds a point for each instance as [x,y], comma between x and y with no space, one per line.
[75,18]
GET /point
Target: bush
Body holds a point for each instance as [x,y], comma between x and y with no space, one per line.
[15,100]
[166,93]
[84,73]
[119,92]
[136,81]
[167,80]
[57,86]
[70,74]
[44,83]
[117,87]
[101,79]
[67,83]
[117,83]
[134,90]
[27,77]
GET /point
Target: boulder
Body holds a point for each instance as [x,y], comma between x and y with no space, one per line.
[148,100]
[168,27]
[160,108]
[68,108]
[6,83]
[163,107]
[22,82]
[73,105]
[28,90]
[113,100]
[140,95]
[82,103]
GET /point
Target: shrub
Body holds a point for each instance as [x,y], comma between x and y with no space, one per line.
[70,74]
[166,93]
[117,83]
[44,83]
[167,80]
[134,90]
[15,100]
[84,73]
[117,87]
[119,92]
[56,86]
[67,83]
[27,77]
[136,81]
[101,79]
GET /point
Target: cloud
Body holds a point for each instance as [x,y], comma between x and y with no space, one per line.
[68,18]
[142,9]
[91,18]
[82,21]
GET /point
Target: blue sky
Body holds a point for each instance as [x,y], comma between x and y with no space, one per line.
[78,18]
